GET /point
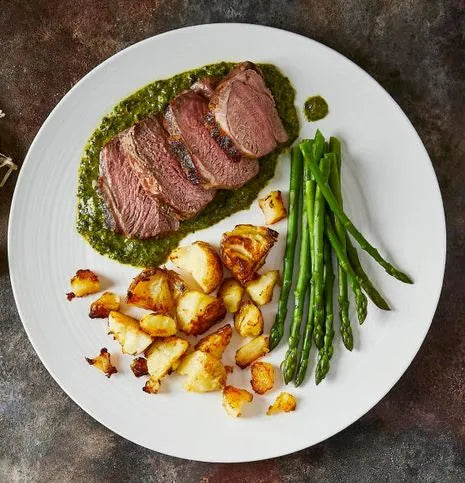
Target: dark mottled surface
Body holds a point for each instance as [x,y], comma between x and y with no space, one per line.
[416,50]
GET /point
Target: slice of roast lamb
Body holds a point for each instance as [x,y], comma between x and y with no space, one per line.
[205,86]
[146,147]
[244,109]
[128,208]
[185,121]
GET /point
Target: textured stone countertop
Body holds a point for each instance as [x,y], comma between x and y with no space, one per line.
[416,50]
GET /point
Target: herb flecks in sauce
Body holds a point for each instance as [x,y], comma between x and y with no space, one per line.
[150,100]
[315,108]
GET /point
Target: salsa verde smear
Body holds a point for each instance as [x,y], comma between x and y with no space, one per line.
[315,108]
[153,99]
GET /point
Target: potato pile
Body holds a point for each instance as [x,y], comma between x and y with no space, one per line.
[177,312]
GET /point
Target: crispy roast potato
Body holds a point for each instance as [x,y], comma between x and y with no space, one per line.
[204,372]
[285,402]
[151,290]
[273,207]
[216,343]
[101,308]
[260,290]
[158,325]
[197,312]
[177,284]
[231,292]
[139,366]
[234,399]
[248,320]
[163,353]
[243,250]
[152,386]
[127,332]
[85,282]
[202,262]
[251,351]
[103,363]
[262,377]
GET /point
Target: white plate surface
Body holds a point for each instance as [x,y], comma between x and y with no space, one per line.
[390,190]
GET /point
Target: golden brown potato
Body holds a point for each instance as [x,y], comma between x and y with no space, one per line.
[231,292]
[103,363]
[216,343]
[273,207]
[101,308]
[234,399]
[251,351]
[204,372]
[243,250]
[158,325]
[285,402]
[85,282]
[262,377]
[202,262]
[248,320]
[152,386]
[127,332]
[151,290]
[197,312]
[163,353]
[139,366]
[177,284]
[260,290]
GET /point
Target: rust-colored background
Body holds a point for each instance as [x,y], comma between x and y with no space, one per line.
[416,50]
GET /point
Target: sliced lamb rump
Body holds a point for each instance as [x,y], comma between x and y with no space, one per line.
[185,121]
[205,86]
[244,109]
[128,208]
[146,147]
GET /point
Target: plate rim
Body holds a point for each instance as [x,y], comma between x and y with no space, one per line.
[14,202]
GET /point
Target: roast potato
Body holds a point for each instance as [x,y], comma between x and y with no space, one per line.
[101,308]
[139,366]
[273,207]
[103,363]
[285,402]
[151,290]
[262,377]
[152,386]
[202,262]
[251,351]
[197,312]
[158,325]
[243,250]
[163,353]
[204,372]
[231,292]
[127,332]
[85,282]
[260,290]
[248,320]
[234,399]
[216,343]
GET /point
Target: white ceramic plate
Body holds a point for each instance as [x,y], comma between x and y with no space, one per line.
[390,190]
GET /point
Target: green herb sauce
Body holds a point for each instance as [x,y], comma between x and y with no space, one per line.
[153,99]
[315,108]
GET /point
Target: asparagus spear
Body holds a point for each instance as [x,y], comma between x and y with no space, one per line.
[318,243]
[307,341]
[369,288]
[335,185]
[354,280]
[289,363]
[288,264]
[349,226]
[326,352]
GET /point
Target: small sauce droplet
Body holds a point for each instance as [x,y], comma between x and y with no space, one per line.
[315,108]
